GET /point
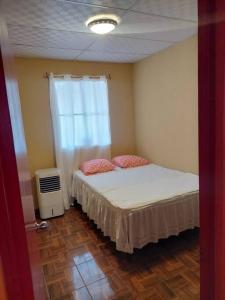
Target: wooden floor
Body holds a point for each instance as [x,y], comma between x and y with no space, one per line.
[79,263]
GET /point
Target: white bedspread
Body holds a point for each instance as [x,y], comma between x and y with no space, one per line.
[139,205]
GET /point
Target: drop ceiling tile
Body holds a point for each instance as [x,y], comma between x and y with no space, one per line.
[124,4]
[45,52]
[35,36]
[174,35]
[128,45]
[110,57]
[181,9]
[137,23]
[47,27]
[52,14]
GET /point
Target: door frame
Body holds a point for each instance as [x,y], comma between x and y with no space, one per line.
[211,62]
[13,246]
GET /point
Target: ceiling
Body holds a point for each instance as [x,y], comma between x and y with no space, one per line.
[56,28]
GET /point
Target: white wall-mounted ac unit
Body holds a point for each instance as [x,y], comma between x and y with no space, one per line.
[49,191]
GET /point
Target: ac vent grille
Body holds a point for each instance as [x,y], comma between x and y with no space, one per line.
[49,184]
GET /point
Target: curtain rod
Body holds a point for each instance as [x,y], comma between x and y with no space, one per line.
[46,75]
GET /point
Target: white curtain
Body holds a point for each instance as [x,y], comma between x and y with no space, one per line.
[81,124]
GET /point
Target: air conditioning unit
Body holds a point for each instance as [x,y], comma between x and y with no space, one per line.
[49,191]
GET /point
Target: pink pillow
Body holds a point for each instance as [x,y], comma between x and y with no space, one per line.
[129,161]
[96,166]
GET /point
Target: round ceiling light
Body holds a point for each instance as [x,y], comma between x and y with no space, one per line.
[102,24]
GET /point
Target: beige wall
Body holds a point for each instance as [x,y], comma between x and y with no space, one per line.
[165,105]
[34,96]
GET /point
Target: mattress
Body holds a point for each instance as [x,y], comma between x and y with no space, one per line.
[139,205]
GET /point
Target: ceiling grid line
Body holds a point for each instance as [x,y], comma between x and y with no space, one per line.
[127,9]
[87,33]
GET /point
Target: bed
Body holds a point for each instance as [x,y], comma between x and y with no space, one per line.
[139,205]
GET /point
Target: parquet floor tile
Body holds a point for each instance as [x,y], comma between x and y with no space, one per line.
[80,263]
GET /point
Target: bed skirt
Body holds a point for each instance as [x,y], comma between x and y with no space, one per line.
[135,228]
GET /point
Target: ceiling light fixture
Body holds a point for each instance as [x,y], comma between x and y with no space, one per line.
[102,24]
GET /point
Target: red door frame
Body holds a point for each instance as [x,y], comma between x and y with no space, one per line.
[211,43]
[13,246]
[19,254]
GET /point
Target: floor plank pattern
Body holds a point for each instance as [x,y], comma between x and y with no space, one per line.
[80,263]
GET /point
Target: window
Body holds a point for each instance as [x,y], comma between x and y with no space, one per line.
[82,108]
